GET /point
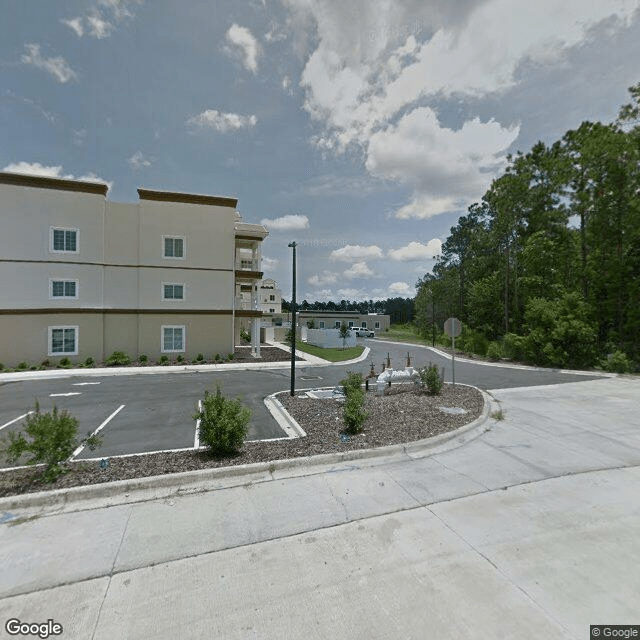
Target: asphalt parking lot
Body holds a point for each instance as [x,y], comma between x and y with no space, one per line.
[146,413]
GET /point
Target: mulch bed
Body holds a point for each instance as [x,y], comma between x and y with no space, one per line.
[398,417]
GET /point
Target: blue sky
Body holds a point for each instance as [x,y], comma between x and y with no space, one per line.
[360,129]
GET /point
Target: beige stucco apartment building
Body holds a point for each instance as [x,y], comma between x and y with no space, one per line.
[83,276]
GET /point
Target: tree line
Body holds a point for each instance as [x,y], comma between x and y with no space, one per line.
[400,310]
[547,264]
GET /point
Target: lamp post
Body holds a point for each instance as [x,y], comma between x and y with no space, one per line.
[293,323]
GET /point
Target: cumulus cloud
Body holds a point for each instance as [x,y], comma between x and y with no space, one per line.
[221,122]
[401,289]
[372,79]
[358,270]
[137,161]
[325,278]
[286,223]
[98,26]
[269,263]
[76,25]
[416,251]
[242,44]
[355,251]
[58,67]
[99,20]
[54,171]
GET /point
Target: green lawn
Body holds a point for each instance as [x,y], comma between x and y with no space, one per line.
[333,355]
[403,333]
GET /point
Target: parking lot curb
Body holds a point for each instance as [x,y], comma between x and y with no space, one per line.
[191,482]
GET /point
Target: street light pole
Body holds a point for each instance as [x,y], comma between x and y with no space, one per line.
[293,323]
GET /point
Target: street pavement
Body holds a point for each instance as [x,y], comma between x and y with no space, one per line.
[528,529]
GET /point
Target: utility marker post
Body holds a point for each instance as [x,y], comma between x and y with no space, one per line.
[453,328]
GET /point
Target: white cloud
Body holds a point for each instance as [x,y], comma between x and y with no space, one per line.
[137,161]
[58,67]
[371,79]
[76,25]
[349,293]
[53,171]
[354,252]
[243,45]
[98,26]
[358,270]
[286,223]
[79,137]
[401,289]
[416,251]
[326,277]
[222,122]
[269,263]
[321,295]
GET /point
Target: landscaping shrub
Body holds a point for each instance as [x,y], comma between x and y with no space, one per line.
[200,357]
[514,346]
[118,359]
[51,439]
[618,362]
[33,367]
[230,357]
[22,366]
[65,363]
[143,358]
[353,412]
[1,366]
[223,423]
[180,358]
[217,357]
[494,351]
[164,359]
[89,362]
[245,335]
[45,363]
[430,378]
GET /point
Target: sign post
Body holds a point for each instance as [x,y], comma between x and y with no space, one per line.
[453,328]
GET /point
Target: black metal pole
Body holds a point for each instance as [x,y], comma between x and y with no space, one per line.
[293,323]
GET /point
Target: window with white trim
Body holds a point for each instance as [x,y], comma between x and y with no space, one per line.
[63,341]
[63,289]
[173,247]
[376,325]
[350,324]
[321,324]
[172,291]
[337,324]
[173,339]
[63,240]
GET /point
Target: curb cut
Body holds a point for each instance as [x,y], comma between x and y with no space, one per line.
[191,482]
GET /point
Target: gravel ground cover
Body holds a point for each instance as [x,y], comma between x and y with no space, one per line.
[399,416]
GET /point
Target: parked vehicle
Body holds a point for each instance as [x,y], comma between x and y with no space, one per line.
[362,332]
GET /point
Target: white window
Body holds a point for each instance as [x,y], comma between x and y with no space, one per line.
[364,324]
[350,324]
[337,324]
[63,240]
[63,289]
[272,298]
[321,324]
[172,291]
[173,247]
[172,339]
[63,341]
[376,325]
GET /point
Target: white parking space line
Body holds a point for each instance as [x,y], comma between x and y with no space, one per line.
[84,384]
[64,395]
[102,426]
[196,439]
[16,419]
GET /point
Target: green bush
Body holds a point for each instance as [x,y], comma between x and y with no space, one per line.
[22,366]
[217,357]
[45,363]
[51,439]
[33,367]
[223,423]
[618,362]
[353,412]
[1,366]
[514,346]
[494,351]
[288,337]
[200,357]
[430,378]
[118,359]
[230,357]
[64,363]
[245,335]
[351,382]
[180,358]
[164,359]
[89,362]
[143,358]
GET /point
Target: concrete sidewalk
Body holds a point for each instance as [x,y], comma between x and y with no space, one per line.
[530,530]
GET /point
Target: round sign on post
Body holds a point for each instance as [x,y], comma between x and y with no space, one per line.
[453,327]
